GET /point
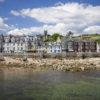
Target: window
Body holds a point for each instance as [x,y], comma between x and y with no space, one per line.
[87,43]
[7,48]
[58,50]
[13,48]
[7,44]
[21,44]
[70,46]
[50,47]
[21,48]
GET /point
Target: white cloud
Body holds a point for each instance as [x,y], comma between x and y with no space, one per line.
[64,17]
[59,4]
[92,29]
[3,26]
[25,31]
[15,13]
[1,22]
[58,28]
[2,0]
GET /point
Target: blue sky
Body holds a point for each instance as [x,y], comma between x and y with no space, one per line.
[14,19]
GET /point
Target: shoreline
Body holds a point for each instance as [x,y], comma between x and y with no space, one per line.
[73,65]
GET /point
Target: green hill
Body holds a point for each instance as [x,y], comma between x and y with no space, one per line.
[94,37]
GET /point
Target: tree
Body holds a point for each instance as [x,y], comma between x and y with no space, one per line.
[55,36]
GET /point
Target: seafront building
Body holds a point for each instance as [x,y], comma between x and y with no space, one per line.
[98,45]
[78,45]
[1,43]
[38,44]
[54,47]
[18,44]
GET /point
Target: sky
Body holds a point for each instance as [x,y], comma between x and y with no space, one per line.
[20,17]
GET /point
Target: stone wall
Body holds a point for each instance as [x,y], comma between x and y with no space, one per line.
[45,55]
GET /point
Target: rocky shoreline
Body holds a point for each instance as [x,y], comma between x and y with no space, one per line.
[54,64]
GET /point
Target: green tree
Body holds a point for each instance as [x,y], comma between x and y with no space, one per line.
[55,36]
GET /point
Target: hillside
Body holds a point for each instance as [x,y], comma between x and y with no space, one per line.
[95,37]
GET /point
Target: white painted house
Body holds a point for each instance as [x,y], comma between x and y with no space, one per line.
[54,47]
[15,45]
[98,47]
[18,44]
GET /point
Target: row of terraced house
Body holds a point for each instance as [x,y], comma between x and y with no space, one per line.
[22,44]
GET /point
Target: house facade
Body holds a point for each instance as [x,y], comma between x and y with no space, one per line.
[54,47]
[22,44]
[73,45]
[18,44]
[98,47]
[14,45]
[1,43]
[88,46]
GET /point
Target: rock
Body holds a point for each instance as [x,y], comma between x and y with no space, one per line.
[24,59]
[2,59]
[82,68]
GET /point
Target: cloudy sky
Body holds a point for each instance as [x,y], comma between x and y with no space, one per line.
[33,16]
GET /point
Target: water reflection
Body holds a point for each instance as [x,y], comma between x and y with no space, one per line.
[19,84]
